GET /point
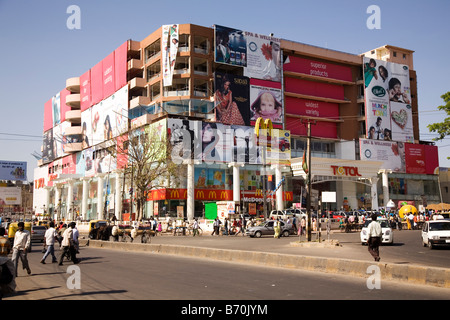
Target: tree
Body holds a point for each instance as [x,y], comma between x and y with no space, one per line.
[149,165]
[442,128]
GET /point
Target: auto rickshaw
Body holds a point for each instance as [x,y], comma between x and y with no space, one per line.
[95,226]
[13,227]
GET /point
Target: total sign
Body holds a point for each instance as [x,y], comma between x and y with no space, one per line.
[345,171]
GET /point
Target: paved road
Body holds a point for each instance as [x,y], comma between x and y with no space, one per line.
[112,275]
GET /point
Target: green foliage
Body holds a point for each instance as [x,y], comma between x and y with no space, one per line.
[442,128]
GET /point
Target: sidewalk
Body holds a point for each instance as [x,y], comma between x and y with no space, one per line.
[285,253]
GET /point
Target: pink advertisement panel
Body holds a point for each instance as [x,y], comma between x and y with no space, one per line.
[317,68]
[97,83]
[64,107]
[120,66]
[415,158]
[431,159]
[312,108]
[108,75]
[85,90]
[48,117]
[313,88]
[320,129]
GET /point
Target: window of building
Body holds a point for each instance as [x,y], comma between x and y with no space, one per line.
[404,56]
[394,53]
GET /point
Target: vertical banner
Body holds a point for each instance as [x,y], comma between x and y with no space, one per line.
[232,104]
[85,90]
[400,102]
[108,65]
[56,109]
[388,101]
[170,39]
[378,122]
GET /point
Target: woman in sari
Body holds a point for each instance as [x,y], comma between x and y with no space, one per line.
[227,110]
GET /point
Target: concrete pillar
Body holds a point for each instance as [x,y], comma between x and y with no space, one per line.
[236,181]
[384,175]
[57,204]
[279,192]
[84,200]
[374,193]
[190,190]
[118,196]
[69,200]
[100,198]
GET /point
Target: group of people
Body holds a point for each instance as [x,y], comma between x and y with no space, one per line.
[20,247]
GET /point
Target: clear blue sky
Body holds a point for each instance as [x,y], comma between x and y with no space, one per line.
[38,52]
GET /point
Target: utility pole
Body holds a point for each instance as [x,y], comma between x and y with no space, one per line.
[308,182]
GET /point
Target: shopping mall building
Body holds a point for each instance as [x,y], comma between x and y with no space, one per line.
[186,78]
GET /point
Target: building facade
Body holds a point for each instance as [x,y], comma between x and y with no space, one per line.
[188,81]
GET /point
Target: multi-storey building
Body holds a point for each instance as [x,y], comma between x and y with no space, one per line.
[180,76]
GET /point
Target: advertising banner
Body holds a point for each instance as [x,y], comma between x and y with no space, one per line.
[170,39]
[266,101]
[210,178]
[13,170]
[431,159]
[388,101]
[311,108]
[263,57]
[106,120]
[56,109]
[391,153]
[63,106]
[317,68]
[415,158]
[85,90]
[232,99]
[48,115]
[108,75]
[48,146]
[218,143]
[120,66]
[230,46]
[10,196]
[97,83]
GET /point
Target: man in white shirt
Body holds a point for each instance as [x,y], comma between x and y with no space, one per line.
[68,245]
[50,236]
[22,242]
[374,238]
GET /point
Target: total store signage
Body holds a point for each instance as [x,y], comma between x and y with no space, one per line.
[345,171]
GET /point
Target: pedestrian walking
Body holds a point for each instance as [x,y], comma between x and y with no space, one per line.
[76,242]
[216,226]
[5,244]
[277,228]
[68,245]
[50,236]
[195,227]
[226,227]
[374,238]
[22,242]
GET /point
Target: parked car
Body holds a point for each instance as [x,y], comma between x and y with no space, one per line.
[37,233]
[287,213]
[266,229]
[436,233]
[387,233]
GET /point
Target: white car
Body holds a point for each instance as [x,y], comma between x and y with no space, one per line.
[387,233]
[436,232]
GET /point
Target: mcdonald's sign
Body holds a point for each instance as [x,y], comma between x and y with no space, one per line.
[211,195]
[174,194]
[199,195]
[258,193]
[223,195]
[288,196]
[267,124]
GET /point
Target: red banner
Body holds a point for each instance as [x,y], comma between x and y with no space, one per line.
[120,66]
[311,108]
[415,158]
[108,76]
[85,91]
[314,88]
[48,115]
[97,83]
[431,159]
[64,107]
[317,68]
[320,129]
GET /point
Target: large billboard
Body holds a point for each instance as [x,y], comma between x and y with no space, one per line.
[105,120]
[10,196]
[13,170]
[266,101]
[212,142]
[391,153]
[388,101]
[260,55]
[232,99]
